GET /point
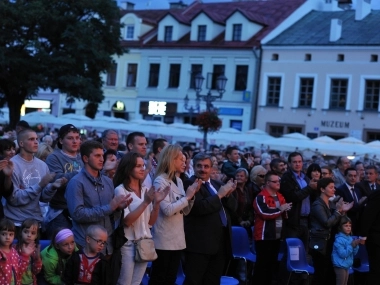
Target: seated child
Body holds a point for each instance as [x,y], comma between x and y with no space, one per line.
[12,264]
[54,257]
[88,265]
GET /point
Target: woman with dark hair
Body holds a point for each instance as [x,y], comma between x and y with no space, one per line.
[314,172]
[324,215]
[139,216]
[7,151]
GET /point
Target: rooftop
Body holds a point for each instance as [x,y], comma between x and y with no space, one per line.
[314,29]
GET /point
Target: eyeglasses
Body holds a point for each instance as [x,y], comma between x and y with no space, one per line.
[277,181]
[261,175]
[99,242]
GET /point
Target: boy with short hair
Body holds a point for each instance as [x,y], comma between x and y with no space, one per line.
[88,265]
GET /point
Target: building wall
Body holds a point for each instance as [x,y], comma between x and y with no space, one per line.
[231,99]
[319,119]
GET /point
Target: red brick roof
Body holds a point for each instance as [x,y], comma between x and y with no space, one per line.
[269,13]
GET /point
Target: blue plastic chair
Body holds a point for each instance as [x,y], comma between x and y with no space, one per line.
[241,247]
[363,256]
[296,259]
[226,280]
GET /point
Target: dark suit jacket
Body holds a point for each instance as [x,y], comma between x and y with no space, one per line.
[370,219]
[365,189]
[293,193]
[353,213]
[229,168]
[203,228]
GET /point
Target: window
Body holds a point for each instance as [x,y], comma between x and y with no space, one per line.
[306,92]
[174,75]
[154,72]
[292,129]
[276,131]
[236,32]
[275,56]
[111,75]
[338,93]
[132,74]
[371,95]
[217,71]
[340,57]
[168,33]
[236,124]
[274,89]
[195,69]
[202,33]
[374,57]
[129,32]
[373,136]
[241,77]
[308,57]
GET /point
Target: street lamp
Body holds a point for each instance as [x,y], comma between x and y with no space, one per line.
[208,98]
[192,109]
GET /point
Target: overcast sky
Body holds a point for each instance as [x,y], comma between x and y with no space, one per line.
[164,4]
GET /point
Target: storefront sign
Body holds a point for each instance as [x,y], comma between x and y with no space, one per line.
[335,124]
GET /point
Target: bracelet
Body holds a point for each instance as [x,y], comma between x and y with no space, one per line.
[339,212]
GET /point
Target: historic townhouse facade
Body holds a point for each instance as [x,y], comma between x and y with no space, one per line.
[168,48]
[321,76]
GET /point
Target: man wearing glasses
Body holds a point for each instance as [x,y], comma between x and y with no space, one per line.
[270,209]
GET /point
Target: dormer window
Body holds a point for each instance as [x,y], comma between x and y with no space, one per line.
[168,33]
[129,32]
[236,32]
[202,33]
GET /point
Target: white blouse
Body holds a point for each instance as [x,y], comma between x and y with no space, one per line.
[140,228]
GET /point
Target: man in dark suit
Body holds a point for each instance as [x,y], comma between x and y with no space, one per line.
[350,193]
[208,226]
[370,231]
[369,184]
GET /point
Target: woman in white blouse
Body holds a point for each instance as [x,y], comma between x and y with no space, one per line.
[168,231]
[139,216]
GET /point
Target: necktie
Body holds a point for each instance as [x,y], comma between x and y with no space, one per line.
[354,196]
[222,215]
[372,187]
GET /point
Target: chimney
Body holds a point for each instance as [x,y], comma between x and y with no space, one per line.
[177,5]
[127,5]
[335,30]
[363,8]
[330,6]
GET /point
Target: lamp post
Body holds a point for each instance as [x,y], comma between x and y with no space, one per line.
[208,98]
[191,109]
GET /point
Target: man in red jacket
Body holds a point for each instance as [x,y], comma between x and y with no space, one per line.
[270,207]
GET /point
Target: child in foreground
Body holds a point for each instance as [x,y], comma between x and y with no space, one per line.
[12,263]
[55,256]
[344,250]
[29,235]
[88,265]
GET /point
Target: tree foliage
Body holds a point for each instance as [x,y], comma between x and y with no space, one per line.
[56,44]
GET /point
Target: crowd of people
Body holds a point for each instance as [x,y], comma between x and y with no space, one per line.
[77,191]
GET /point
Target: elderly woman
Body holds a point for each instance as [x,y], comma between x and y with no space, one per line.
[257,177]
[324,215]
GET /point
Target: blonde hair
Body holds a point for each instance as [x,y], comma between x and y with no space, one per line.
[166,162]
[43,151]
